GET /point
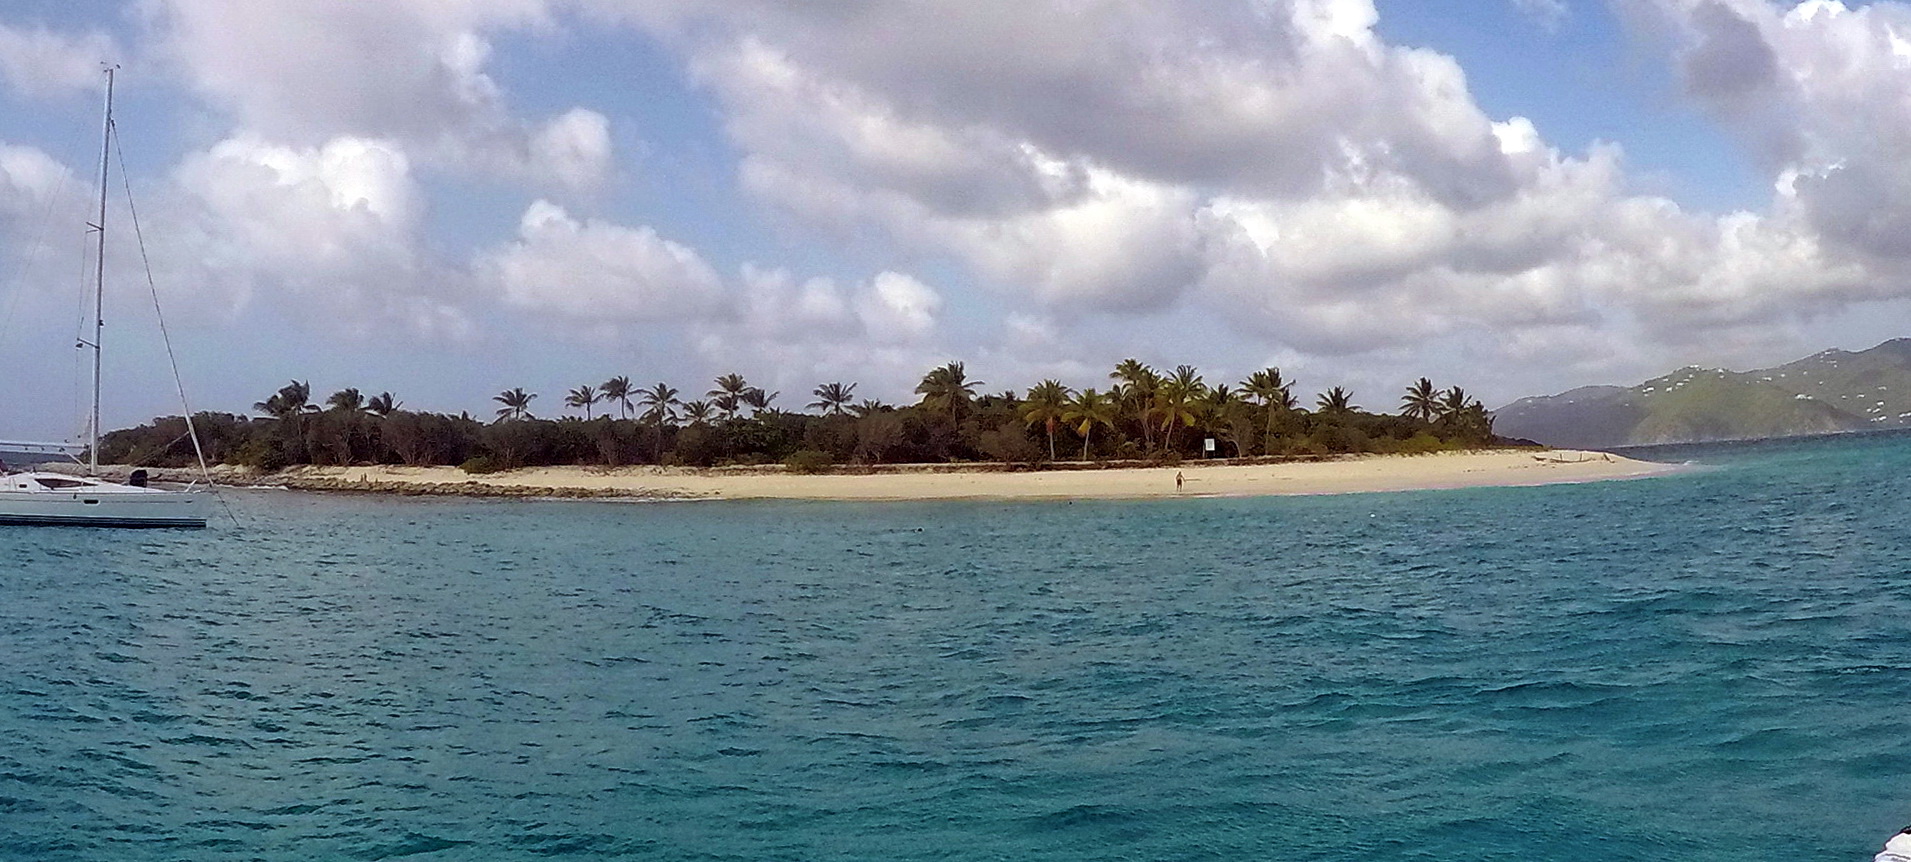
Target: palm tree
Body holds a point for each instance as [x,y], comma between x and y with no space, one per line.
[1220,409]
[1421,402]
[1453,404]
[298,397]
[582,398]
[1217,402]
[1136,394]
[1266,385]
[517,403]
[346,401]
[1046,402]
[1178,400]
[698,412]
[289,406]
[1275,398]
[1461,414]
[383,404]
[1335,402]
[867,407]
[1088,409]
[291,400]
[1275,395]
[617,391]
[1477,419]
[947,390]
[662,401]
[728,395]
[347,405]
[832,398]
[758,400]
[1132,370]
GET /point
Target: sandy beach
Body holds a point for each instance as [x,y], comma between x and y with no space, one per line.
[1356,474]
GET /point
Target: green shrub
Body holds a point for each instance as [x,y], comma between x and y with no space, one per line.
[808,461]
[1010,444]
[1341,439]
[1306,448]
[263,454]
[481,465]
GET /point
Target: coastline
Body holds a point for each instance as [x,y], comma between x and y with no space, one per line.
[1345,475]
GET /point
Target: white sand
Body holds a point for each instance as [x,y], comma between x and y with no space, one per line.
[1344,476]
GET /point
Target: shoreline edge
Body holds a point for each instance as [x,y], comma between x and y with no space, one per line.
[1200,479]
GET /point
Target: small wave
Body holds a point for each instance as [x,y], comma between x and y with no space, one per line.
[411,844]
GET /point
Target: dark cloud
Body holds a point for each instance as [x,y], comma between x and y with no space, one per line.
[1860,207]
[1730,60]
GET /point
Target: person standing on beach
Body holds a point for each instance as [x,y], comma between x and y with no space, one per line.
[1177,480]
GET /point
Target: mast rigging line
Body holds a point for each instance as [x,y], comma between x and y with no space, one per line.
[172,359]
[99,276]
[33,256]
[16,289]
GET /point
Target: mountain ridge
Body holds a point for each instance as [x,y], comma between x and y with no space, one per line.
[1827,392]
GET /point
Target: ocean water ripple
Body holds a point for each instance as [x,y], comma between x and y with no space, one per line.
[1710,666]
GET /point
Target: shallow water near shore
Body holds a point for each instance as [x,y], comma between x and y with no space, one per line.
[1714,665]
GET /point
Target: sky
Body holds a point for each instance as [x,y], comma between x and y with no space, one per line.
[448,198]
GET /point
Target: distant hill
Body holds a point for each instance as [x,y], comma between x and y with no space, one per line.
[1835,390]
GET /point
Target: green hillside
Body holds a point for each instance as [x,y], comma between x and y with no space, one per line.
[1873,385]
[1709,404]
[1832,391]
[1586,417]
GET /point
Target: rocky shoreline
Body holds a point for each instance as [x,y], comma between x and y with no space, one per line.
[311,479]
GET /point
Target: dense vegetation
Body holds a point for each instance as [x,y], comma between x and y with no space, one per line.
[1141,414]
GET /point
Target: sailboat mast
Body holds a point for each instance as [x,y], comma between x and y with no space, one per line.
[99,276]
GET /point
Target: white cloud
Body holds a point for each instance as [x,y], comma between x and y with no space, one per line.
[41,202]
[1253,100]
[573,150]
[1076,164]
[412,71]
[891,310]
[775,305]
[600,272]
[1275,174]
[312,68]
[329,234]
[1815,92]
[1548,14]
[787,333]
[1122,244]
[38,62]
[29,179]
[787,115]
[898,309]
[1284,168]
[306,203]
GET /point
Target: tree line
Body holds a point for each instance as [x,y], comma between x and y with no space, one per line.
[1139,414]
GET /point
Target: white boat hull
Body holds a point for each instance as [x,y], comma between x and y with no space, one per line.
[84,508]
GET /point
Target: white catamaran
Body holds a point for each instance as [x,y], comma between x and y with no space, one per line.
[59,499]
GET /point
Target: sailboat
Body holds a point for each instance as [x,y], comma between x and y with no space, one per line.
[59,499]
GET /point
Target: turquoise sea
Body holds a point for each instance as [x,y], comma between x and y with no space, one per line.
[1708,666]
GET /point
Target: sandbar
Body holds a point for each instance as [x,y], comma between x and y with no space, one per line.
[1345,475]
